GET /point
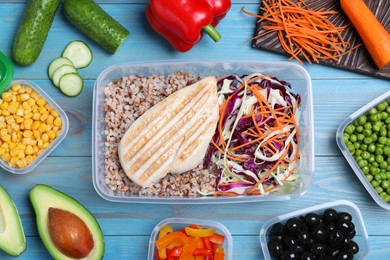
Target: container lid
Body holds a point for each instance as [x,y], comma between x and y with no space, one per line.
[6,72]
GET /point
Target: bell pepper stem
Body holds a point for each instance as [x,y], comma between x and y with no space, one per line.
[212,32]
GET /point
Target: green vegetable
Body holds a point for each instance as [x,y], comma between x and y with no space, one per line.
[56,63]
[79,53]
[92,20]
[71,84]
[33,30]
[58,73]
[368,140]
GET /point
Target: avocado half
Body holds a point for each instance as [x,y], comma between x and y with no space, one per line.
[44,198]
[12,238]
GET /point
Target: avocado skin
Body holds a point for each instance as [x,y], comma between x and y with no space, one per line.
[43,197]
[12,238]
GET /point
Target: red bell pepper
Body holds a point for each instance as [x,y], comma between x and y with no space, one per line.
[182,22]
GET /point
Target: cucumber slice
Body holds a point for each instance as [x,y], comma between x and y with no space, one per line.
[71,84]
[58,73]
[79,53]
[56,63]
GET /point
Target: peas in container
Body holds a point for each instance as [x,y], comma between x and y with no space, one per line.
[31,126]
[364,140]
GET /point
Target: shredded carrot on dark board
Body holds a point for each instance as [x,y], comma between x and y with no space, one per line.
[303,33]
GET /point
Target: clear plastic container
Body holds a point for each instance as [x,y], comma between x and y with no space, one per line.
[361,237]
[287,71]
[179,223]
[348,156]
[53,144]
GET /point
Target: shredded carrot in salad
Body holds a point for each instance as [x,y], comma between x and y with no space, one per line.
[303,33]
[256,144]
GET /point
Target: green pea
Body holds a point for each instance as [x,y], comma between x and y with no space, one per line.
[385,184]
[369,177]
[377,126]
[387,198]
[383,176]
[362,163]
[383,131]
[383,165]
[350,147]
[388,190]
[363,147]
[374,137]
[375,117]
[384,115]
[366,169]
[349,129]
[353,138]
[378,189]
[374,163]
[365,155]
[366,132]
[367,125]
[383,195]
[359,129]
[371,159]
[372,111]
[387,120]
[374,183]
[362,119]
[360,137]
[382,106]
[377,178]
[371,148]
[379,158]
[367,140]
[374,170]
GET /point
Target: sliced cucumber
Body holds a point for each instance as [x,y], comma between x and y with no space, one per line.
[56,63]
[79,53]
[71,84]
[58,73]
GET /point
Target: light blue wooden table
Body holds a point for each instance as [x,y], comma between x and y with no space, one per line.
[127,227]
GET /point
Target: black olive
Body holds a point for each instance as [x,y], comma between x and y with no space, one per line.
[275,247]
[312,219]
[304,238]
[278,229]
[353,246]
[299,249]
[319,249]
[307,255]
[345,254]
[336,237]
[344,216]
[294,225]
[330,226]
[333,252]
[350,234]
[319,234]
[330,215]
[289,255]
[346,226]
[345,242]
[289,242]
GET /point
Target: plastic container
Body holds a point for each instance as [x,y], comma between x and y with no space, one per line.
[294,74]
[54,143]
[348,156]
[179,223]
[361,237]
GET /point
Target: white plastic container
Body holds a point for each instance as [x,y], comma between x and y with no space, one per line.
[53,144]
[287,71]
[180,223]
[348,156]
[361,237]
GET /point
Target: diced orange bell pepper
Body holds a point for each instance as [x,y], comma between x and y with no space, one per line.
[199,232]
[189,248]
[174,237]
[165,230]
[217,239]
[219,254]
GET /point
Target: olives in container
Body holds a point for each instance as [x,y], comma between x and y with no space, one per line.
[333,230]
[364,140]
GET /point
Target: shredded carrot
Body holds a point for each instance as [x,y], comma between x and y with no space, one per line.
[303,33]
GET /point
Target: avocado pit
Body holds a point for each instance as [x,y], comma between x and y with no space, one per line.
[69,233]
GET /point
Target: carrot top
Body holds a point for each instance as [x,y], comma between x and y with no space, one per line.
[256,144]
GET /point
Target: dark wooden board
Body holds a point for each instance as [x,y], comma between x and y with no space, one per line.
[357,61]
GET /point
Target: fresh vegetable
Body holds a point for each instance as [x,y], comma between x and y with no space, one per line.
[303,33]
[368,140]
[191,242]
[30,125]
[79,53]
[12,238]
[374,36]
[61,71]
[182,23]
[33,30]
[56,63]
[314,236]
[257,141]
[71,84]
[97,24]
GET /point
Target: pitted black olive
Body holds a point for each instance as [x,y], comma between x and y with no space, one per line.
[312,219]
[275,247]
[350,234]
[336,237]
[330,215]
[320,234]
[345,254]
[289,255]
[289,242]
[278,229]
[353,246]
[304,238]
[346,226]
[294,225]
[319,249]
[307,256]
[344,216]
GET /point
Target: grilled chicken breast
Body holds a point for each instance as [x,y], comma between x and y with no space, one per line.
[173,135]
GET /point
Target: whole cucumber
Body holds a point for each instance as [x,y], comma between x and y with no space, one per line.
[33,29]
[92,20]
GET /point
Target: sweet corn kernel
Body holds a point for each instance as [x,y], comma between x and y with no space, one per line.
[12,109]
[3,132]
[46,144]
[29,150]
[5,112]
[35,125]
[41,102]
[58,122]
[36,134]
[27,133]
[49,120]
[6,138]
[29,159]
[28,115]
[2,151]
[42,128]
[45,137]
[54,113]
[27,141]
[16,87]
[52,135]
[27,123]
[6,96]
[36,116]
[4,105]
[43,117]
[29,90]
[6,157]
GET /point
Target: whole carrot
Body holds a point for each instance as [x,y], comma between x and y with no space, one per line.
[374,36]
